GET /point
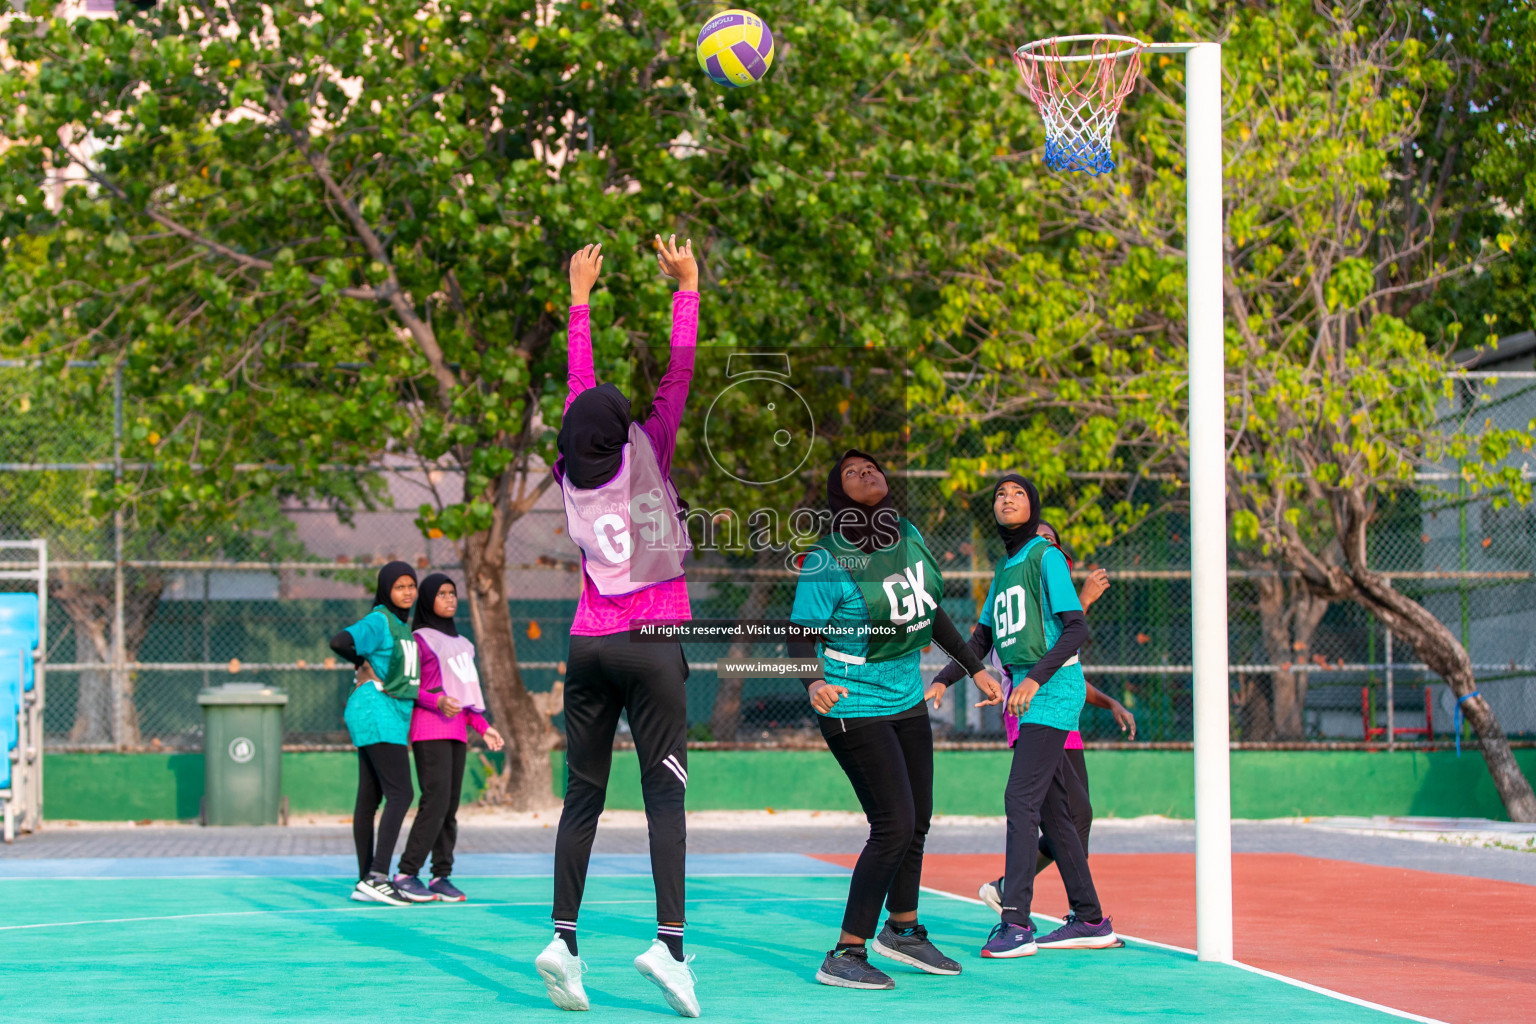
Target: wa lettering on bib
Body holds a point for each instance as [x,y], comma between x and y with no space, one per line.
[1018,620]
[901,586]
[404,661]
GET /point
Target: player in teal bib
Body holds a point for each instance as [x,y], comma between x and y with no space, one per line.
[378,715]
[870,592]
[1033,623]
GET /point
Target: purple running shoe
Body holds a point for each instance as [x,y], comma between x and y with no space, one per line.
[1075,933]
[1009,940]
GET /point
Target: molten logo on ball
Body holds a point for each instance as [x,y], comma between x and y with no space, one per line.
[735,48]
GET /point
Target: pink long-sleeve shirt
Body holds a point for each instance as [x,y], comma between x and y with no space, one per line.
[428,723]
[597,615]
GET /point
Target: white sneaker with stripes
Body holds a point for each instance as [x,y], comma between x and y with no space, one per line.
[674,978]
[561,972]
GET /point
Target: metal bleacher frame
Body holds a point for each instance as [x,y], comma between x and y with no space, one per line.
[23,802]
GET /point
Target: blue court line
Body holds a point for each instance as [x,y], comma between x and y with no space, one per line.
[468,865]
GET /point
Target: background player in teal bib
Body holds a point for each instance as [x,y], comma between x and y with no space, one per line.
[1035,624]
[870,590]
[378,716]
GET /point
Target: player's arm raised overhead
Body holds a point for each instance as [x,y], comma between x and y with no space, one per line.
[586,265]
[676,262]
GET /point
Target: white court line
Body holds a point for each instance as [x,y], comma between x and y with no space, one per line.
[1294,982]
[364,908]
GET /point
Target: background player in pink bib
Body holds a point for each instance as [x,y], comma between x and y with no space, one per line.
[447,706]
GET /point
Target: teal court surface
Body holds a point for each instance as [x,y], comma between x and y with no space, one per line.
[230,940]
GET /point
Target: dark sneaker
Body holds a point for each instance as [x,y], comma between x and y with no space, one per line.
[447,891]
[914,949]
[991,893]
[411,888]
[850,968]
[379,890]
[1078,934]
[1009,940]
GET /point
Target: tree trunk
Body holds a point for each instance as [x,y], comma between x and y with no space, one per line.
[93,700]
[1435,644]
[90,612]
[526,781]
[1438,647]
[1289,615]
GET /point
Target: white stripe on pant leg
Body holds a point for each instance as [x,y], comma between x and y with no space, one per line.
[678,765]
[675,770]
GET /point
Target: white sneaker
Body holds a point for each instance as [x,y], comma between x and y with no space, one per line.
[675,979]
[991,896]
[378,890]
[562,971]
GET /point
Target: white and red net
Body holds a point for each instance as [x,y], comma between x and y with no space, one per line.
[1079,82]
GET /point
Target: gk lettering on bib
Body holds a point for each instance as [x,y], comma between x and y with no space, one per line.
[901,586]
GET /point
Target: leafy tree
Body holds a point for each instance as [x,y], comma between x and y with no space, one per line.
[345,225]
[1334,400]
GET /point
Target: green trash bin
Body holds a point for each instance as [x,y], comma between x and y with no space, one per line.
[243,755]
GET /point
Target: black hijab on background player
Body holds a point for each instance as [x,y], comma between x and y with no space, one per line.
[1015,537]
[593,435]
[426,605]
[388,575]
[866,527]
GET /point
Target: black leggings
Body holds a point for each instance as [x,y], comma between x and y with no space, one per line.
[646,681]
[1075,777]
[440,773]
[890,764]
[1035,801]
[383,775]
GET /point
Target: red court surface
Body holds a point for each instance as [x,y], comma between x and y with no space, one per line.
[1453,948]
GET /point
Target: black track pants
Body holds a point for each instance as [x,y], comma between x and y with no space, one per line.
[383,776]
[1035,801]
[648,682]
[440,774]
[890,764]
[1075,776]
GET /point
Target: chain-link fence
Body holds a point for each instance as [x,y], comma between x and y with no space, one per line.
[142,619]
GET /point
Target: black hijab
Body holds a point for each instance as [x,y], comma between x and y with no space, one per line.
[426,605]
[387,577]
[866,527]
[593,435]
[1015,537]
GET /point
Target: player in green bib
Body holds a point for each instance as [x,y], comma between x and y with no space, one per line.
[382,648]
[870,592]
[1033,624]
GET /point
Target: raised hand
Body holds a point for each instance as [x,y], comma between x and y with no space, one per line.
[1094,587]
[677,262]
[586,264]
